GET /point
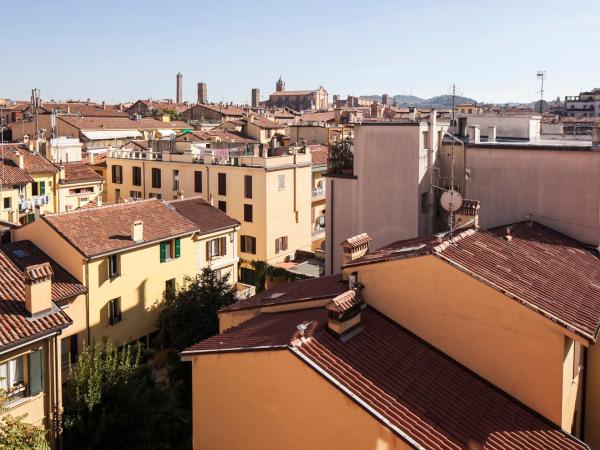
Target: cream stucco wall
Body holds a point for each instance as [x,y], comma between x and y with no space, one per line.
[506,343]
[231,392]
[559,188]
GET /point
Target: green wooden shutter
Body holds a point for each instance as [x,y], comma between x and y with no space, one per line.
[42,188]
[177,248]
[223,246]
[163,252]
[36,372]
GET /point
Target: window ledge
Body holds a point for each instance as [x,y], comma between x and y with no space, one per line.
[20,401]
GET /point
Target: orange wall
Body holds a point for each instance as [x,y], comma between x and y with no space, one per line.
[236,407]
[511,346]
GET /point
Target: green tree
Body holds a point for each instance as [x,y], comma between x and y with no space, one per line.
[264,270]
[15,434]
[191,313]
[113,401]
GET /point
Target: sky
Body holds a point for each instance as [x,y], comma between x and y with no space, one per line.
[129,49]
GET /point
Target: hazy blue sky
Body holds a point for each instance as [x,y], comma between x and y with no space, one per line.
[121,50]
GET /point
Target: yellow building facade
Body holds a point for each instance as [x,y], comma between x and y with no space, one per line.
[270,195]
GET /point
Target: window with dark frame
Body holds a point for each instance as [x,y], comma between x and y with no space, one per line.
[248,244]
[117,174]
[156,177]
[281,244]
[136,175]
[170,250]
[197,181]
[170,288]
[247,186]
[223,206]
[114,311]
[175,180]
[216,247]
[222,188]
[247,213]
[113,266]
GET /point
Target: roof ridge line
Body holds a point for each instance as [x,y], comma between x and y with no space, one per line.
[444,245]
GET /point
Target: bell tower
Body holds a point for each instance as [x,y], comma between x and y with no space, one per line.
[280,85]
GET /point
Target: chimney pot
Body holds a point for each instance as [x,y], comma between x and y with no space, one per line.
[38,288]
[344,314]
[137,231]
[353,248]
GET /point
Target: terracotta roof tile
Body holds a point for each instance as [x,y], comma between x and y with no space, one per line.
[357,241]
[15,323]
[345,301]
[415,390]
[206,217]
[85,109]
[38,271]
[121,123]
[32,162]
[78,172]
[539,267]
[319,154]
[107,229]
[225,110]
[297,291]
[9,168]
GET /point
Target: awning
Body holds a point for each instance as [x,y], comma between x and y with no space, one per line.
[98,135]
[166,133]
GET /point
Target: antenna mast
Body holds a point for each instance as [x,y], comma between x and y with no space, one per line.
[541,75]
[451,216]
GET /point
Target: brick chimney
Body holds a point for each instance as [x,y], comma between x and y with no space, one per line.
[354,247]
[344,315]
[137,231]
[38,288]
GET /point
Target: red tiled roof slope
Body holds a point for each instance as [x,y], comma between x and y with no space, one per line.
[298,291]
[78,172]
[319,154]
[419,393]
[9,169]
[32,162]
[206,217]
[106,229]
[544,268]
[15,323]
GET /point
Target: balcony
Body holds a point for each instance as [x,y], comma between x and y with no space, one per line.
[341,159]
[318,194]
[244,291]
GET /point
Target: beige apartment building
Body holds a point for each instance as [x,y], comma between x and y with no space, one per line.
[268,192]
[385,185]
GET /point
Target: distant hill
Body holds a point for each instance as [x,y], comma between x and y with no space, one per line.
[440,101]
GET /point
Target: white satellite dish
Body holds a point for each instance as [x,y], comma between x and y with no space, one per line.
[451,201]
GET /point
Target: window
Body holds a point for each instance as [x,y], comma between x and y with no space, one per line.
[68,351]
[36,372]
[12,377]
[114,311]
[117,194]
[281,182]
[155,195]
[223,206]
[135,194]
[248,186]
[175,180]
[170,288]
[197,181]
[113,266]
[136,175]
[155,177]
[281,244]
[216,247]
[170,250]
[248,213]
[248,244]
[6,203]
[34,188]
[117,174]
[222,184]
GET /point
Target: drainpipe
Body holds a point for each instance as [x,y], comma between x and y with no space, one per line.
[56,401]
[329,227]
[87,303]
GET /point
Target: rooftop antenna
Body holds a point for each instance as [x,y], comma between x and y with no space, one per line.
[451,200]
[541,74]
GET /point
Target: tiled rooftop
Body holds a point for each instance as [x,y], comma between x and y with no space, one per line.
[539,267]
[15,323]
[107,229]
[10,173]
[121,123]
[78,172]
[421,394]
[206,217]
[319,154]
[298,291]
[33,163]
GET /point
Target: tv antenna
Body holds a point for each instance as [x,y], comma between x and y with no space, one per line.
[541,74]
